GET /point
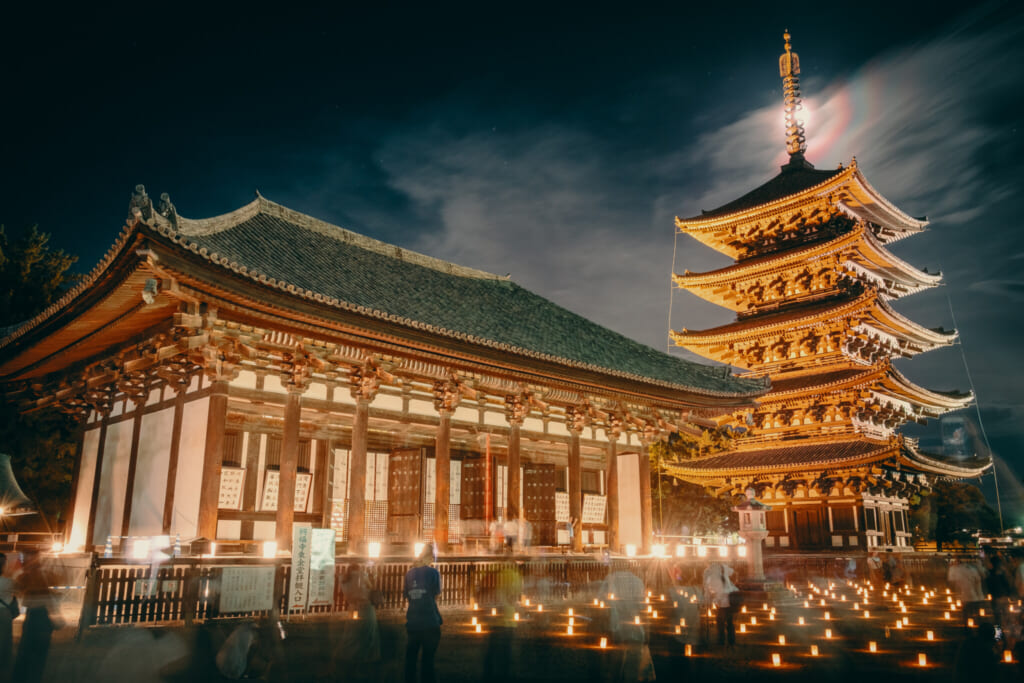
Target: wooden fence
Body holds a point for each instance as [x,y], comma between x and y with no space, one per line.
[118,593]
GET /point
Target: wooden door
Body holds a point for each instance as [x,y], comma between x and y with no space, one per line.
[539,483]
[405,494]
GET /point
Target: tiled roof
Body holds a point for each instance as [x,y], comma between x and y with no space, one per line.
[789,182]
[786,456]
[782,385]
[280,247]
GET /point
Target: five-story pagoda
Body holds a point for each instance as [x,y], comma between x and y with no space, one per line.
[811,287]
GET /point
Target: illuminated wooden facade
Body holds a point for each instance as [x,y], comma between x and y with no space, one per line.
[239,374]
[812,286]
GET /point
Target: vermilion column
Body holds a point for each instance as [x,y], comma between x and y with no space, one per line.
[442,478]
[646,518]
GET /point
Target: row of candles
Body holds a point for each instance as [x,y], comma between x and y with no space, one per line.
[864,591]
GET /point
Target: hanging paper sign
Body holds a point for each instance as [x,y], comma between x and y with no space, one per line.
[561,506]
[232,480]
[246,589]
[321,568]
[298,581]
[593,509]
[271,486]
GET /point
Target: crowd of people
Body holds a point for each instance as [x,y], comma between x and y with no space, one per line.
[24,589]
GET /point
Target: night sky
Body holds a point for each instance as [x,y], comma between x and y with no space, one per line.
[552,141]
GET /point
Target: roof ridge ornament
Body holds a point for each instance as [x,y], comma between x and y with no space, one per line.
[796,141]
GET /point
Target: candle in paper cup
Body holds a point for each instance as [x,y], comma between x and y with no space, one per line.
[873,646]
[776,659]
[814,650]
[922,659]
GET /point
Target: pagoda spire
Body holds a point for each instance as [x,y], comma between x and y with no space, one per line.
[796,142]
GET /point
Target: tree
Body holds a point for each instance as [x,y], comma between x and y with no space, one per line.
[952,512]
[41,445]
[681,504]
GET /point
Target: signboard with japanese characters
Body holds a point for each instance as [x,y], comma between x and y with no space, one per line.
[561,506]
[321,568]
[298,581]
[593,509]
[246,589]
[303,482]
[232,483]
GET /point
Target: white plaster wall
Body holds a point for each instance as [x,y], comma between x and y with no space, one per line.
[190,468]
[630,530]
[557,428]
[317,390]
[467,414]
[229,529]
[495,419]
[385,402]
[83,494]
[533,424]
[246,380]
[151,473]
[421,407]
[113,481]
[264,531]
[273,383]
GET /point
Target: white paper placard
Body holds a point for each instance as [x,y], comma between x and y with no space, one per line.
[593,509]
[321,568]
[232,483]
[246,589]
[561,506]
[298,581]
[303,481]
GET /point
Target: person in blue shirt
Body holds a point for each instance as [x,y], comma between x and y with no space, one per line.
[422,619]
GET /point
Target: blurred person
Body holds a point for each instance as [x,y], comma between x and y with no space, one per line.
[720,591]
[9,611]
[874,568]
[967,578]
[422,619]
[998,583]
[360,641]
[625,593]
[41,618]
[498,661]
[977,658]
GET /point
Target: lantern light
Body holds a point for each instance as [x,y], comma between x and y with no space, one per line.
[922,659]
[873,646]
[776,659]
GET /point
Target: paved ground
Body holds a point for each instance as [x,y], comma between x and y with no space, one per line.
[541,650]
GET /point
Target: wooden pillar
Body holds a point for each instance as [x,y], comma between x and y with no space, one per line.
[90,530]
[172,460]
[612,495]
[322,482]
[646,521]
[133,464]
[442,479]
[285,516]
[251,484]
[512,511]
[575,490]
[488,486]
[357,477]
[213,455]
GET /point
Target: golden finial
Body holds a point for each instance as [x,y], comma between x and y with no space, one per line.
[789,69]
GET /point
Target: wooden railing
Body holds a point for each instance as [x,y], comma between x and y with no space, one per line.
[118,593]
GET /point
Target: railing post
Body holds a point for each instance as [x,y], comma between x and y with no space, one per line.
[90,601]
[190,593]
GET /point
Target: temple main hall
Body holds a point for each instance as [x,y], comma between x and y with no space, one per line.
[812,286]
[237,375]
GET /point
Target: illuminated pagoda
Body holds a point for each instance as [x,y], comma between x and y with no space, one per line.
[812,286]
[236,375]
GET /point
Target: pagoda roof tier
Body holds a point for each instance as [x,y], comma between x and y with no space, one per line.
[882,379]
[786,457]
[773,216]
[912,457]
[862,328]
[814,270]
[267,260]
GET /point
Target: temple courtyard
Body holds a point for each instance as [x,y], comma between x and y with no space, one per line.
[835,630]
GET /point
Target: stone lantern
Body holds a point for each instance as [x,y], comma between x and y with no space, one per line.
[753,529]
